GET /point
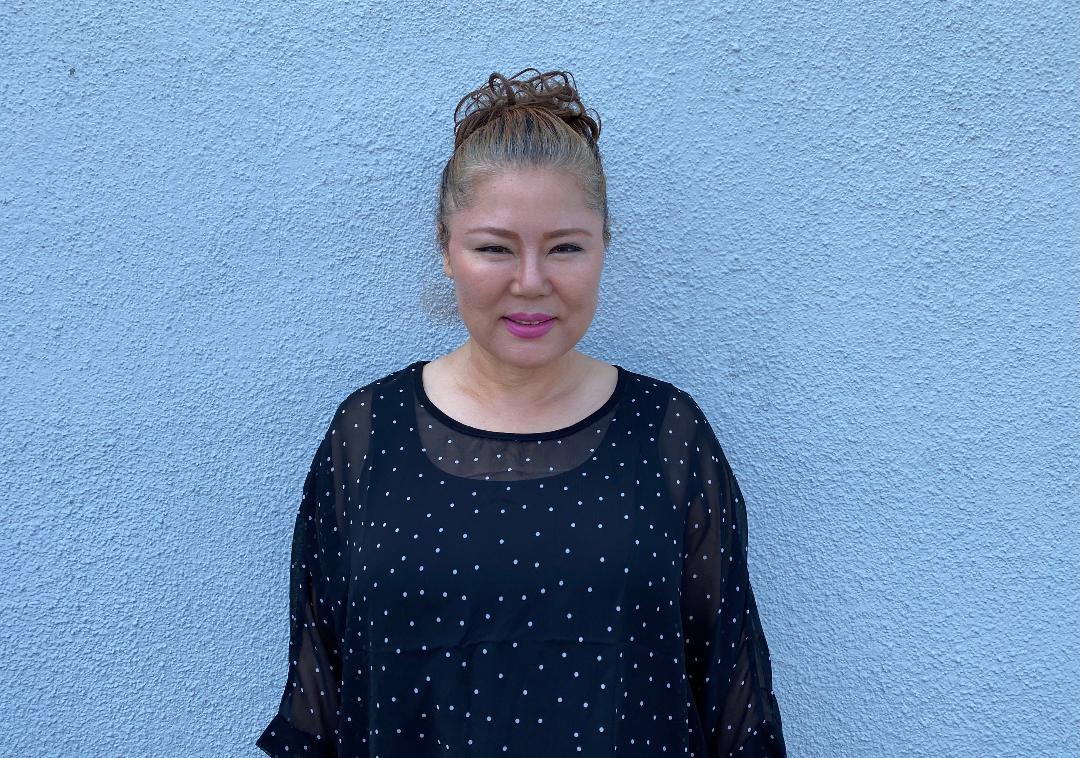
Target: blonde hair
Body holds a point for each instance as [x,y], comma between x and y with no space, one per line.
[510,122]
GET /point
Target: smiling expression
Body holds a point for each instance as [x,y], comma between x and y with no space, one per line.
[528,244]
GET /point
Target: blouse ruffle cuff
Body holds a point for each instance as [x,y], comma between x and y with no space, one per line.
[281,739]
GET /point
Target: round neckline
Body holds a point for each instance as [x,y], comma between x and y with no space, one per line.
[453,423]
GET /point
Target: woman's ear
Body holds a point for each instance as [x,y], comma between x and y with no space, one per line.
[442,235]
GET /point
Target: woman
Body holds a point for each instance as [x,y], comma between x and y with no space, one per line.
[518,549]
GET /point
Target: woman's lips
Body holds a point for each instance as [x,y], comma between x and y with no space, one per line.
[520,316]
[528,331]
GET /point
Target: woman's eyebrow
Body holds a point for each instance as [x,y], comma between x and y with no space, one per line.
[507,233]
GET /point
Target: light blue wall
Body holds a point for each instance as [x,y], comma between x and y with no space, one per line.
[849,229]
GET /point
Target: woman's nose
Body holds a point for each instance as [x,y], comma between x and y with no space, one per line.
[531,272]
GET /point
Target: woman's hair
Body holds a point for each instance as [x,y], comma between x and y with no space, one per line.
[538,122]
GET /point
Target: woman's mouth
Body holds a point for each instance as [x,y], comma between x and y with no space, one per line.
[528,330]
[529,317]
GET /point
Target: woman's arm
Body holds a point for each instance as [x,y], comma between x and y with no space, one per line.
[307,719]
[727,655]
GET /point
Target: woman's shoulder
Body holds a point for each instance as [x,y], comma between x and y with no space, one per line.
[393,381]
[668,390]
[684,421]
[354,410]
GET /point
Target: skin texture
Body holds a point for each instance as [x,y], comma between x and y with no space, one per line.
[496,375]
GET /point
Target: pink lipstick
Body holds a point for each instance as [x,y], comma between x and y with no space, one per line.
[543,324]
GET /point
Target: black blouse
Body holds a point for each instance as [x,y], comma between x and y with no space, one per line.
[461,592]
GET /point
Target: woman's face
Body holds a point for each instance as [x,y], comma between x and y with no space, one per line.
[529,244]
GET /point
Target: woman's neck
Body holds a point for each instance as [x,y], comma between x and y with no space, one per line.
[508,387]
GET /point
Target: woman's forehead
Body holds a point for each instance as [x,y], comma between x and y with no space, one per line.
[541,192]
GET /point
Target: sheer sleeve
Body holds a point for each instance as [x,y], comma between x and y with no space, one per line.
[728,664]
[307,719]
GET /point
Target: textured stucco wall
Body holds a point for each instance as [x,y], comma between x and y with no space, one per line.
[849,229]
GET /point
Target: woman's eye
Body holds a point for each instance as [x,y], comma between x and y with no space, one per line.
[500,249]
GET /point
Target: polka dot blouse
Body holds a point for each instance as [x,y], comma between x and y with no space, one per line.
[583,591]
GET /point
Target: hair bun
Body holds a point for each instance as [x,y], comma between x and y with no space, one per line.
[553,91]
